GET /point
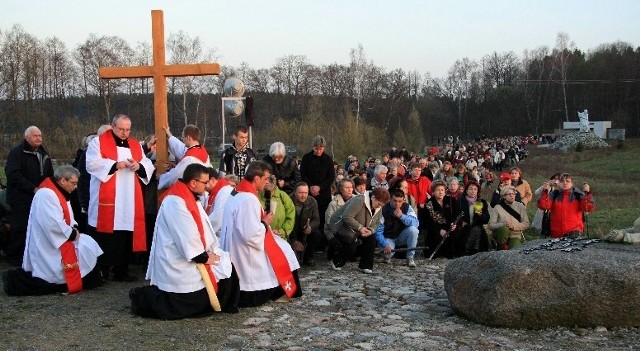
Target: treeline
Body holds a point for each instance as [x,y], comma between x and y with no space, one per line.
[360,107]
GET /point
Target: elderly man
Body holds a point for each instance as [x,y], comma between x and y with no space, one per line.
[117,165]
[267,266]
[57,258]
[398,226]
[28,164]
[185,258]
[306,234]
[186,152]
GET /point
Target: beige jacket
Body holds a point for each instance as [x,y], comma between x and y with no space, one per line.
[500,217]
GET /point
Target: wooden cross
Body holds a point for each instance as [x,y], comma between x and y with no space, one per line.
[159,72]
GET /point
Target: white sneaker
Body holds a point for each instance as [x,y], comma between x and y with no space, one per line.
[334,267]
[411,262]
[366,270]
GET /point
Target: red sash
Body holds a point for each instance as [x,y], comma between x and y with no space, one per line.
[70,266]
[197,151]
[212,194]
[107,194]
[180,189]
[274,253]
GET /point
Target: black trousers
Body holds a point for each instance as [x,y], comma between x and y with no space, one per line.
[151,302]
[260,297]
[366,250]
[18,282]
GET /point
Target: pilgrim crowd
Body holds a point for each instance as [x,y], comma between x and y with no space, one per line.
[237,236]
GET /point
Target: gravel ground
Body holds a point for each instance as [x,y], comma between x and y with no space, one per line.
[395,308]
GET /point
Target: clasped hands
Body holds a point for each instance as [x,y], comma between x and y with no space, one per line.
[129,163]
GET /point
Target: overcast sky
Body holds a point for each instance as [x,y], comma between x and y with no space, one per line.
[421,35]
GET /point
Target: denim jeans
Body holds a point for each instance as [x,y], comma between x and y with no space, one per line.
[408,236]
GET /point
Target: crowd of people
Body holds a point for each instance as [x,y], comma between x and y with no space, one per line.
[237,236]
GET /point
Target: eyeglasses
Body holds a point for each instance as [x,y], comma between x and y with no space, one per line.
[201,181]
[510,194]
[124,130]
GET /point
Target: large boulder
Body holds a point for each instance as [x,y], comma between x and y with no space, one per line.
[598,286]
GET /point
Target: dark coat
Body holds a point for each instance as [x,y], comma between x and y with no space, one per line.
[287,171]
[318,170]
[25,173]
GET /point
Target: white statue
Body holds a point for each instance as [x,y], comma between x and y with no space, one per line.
[629,235]
[584,121]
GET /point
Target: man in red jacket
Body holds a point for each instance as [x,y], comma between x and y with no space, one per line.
[567,205]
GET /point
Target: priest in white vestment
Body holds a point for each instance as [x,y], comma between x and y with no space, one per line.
[267,266]
[50,231]
[183,238]
[186,152]
[116,217]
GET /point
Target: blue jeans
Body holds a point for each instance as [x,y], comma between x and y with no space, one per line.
[408,236]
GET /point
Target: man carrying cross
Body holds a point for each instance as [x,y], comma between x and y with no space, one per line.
[267,266]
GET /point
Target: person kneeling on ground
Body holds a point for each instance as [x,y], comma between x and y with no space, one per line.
[187,269]
[399,226]
[57,258]
[355,223]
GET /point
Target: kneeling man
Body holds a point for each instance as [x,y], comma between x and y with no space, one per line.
[57,258]
[266,264]
[190,275]
[399,226]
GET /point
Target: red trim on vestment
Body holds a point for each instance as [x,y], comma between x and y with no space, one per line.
[70,265]
[276,257]
[107,193]
[181,190]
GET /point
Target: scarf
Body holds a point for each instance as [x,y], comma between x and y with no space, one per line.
[70,265]
[181,190]
[276,257]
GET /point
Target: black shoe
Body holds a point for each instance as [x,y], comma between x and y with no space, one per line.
[124,277]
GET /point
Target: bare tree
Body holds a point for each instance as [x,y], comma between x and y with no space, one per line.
[561,61]
[358,69]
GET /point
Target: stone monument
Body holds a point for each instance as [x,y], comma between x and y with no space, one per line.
[584,121]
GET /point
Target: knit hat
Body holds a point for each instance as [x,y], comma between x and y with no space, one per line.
[505,176]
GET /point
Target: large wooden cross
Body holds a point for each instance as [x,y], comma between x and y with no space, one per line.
[159,71]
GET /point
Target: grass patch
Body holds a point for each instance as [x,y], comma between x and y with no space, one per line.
[613,174]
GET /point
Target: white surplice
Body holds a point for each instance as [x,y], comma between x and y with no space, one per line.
[176,241]
[242,234]
[178,149]
[218,208]
[99,168]
[46,232]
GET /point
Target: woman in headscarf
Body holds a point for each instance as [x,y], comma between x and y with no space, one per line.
[472,238]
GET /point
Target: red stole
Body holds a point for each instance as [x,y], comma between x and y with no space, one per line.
[276,257]
[180,189]
[107,194]
[70,265]
[212,194]
[197,151]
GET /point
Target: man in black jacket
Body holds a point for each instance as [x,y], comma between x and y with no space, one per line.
[236,158]
[317,171]
[28,164]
